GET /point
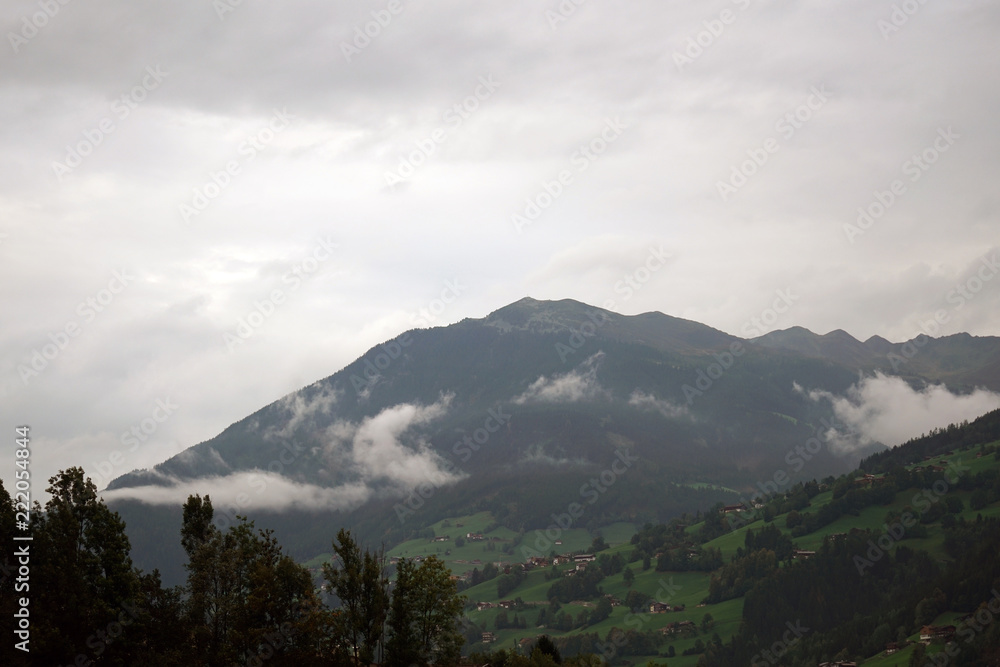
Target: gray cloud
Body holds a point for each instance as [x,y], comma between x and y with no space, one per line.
[887,410]
[382,462]
[300,409]
[256,490]
[580,384]
[378,453]
[644,401]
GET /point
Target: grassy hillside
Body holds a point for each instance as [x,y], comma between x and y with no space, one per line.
[536,612]
[666,563]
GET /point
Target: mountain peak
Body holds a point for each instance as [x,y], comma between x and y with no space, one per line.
[841,335]
[655,329]
[838,344]
[530,314]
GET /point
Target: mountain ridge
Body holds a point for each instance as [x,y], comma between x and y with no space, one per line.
[579,384]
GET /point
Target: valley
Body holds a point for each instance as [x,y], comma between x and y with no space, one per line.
[515,605]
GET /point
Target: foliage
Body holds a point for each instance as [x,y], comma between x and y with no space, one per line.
[582,586]
[362,586]
[246,598]
[81,574]
[423,623]
[736,578]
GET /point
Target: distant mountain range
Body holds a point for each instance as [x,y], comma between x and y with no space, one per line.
[517,412]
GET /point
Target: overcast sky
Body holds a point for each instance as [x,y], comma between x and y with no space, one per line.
[168,168]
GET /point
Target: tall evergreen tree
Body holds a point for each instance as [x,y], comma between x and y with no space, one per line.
[82,581]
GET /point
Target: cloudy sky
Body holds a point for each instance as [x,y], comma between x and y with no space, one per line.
[207,205]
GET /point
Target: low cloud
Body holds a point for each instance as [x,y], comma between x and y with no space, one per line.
[644,401]
[888,410]
[536,456]
[301,409]
[255,490]
[376,450]
[379,457]
[580,384]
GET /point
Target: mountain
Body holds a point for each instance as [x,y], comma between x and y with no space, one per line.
[539,405]
[960,361]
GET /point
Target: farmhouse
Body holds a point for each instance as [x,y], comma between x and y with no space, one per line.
[929,633]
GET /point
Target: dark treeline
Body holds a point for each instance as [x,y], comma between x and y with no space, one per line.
[843,614]
[245,601]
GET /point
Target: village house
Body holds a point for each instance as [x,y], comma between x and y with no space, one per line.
[729,509]
[474,537]
[489,637]
[802,554]
[442,538]
[930,633]
[584,558]
[480,606]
